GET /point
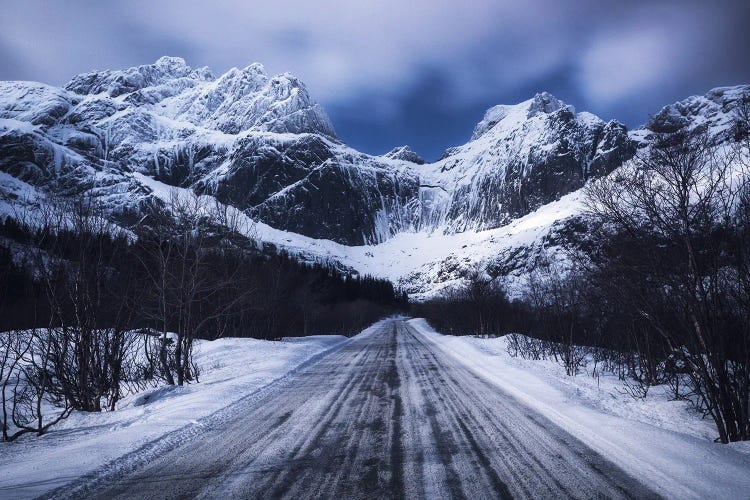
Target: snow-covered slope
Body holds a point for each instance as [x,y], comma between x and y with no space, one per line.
[405,153]
[424,262]
[520,158]
[257,142]
[262,145]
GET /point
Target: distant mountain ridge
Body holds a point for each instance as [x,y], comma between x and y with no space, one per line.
[263,145]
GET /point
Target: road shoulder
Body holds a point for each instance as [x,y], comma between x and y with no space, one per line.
[235,373]
[675,464]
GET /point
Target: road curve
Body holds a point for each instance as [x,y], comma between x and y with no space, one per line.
[388,415]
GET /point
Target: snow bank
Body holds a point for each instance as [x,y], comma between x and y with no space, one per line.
[414,260]
[655,439]
[231,369]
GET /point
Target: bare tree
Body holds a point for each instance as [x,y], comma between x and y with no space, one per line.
[191,254]
[678,207]
[13,348]
[76,362]
[556,295]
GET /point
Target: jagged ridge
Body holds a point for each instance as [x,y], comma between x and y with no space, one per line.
[263,145]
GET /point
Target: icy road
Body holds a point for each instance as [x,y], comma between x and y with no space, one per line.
[386,415]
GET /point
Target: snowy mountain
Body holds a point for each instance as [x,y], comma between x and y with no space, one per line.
[715,111]
[256,142]
[520,158]
[261,144]
[405,153]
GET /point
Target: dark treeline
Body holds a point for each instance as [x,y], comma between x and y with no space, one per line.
[662,293]
[282,297]
[480,307]
[287,297]
[90,310]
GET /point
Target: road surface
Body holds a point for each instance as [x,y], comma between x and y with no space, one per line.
[388,415]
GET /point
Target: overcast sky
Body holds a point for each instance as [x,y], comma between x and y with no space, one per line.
[417,72]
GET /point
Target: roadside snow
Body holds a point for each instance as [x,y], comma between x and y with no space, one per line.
[231,369]
[407,257]
[655,439]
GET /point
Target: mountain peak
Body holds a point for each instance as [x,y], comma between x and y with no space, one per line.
[170,62]
[404,153]
[239,100]
[716,111]
[256,68]
[544,102]
[492,117]
[119,82]
[541,103]
[239,82]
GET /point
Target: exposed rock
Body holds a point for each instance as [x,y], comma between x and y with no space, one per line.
[404,153]
[522,157]
[263,145]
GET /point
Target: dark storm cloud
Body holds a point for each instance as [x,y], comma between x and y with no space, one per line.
[420,72]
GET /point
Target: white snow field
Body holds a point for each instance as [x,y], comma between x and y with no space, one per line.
[231,369]
[657,440]
[414,260]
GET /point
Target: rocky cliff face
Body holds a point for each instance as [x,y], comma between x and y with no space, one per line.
[715,112]
[263,145]
[522,157]
[311,185]
[255,141]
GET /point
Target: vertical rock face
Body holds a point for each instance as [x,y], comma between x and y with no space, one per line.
[261,143]
[522,157]
[312,186]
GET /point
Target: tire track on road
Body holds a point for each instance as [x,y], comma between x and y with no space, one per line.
[387,416]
